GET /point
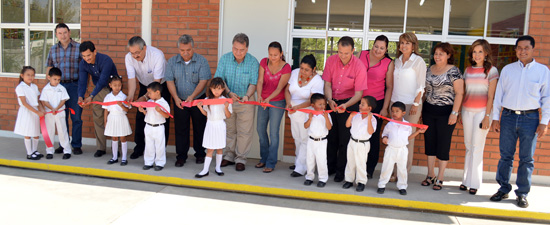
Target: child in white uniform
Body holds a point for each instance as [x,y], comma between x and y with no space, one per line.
[362,125]
[396,136]
[53,98]
[155,117]
[215,130]
[116,122]
[30,111]
[317,128]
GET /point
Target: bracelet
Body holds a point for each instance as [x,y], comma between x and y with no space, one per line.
[454,113]
[488,115]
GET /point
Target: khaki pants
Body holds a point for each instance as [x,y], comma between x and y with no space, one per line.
[239,133]
[99,124]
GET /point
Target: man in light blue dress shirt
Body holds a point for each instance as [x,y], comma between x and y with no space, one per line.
[523,89]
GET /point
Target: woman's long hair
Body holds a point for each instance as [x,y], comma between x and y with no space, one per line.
[488,62]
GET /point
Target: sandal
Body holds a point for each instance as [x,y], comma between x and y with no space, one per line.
[463,188]
[268,170]
[428,181]
[438,185]
[473,191]
[260,165]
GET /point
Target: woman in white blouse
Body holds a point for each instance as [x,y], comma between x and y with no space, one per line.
[302,84]
[409,80]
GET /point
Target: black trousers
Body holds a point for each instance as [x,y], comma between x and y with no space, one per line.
[139,134]
[338,138]
[183,118]
[374,153]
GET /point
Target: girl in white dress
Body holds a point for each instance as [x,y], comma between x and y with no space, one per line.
[30,111]
[214,132]
[117,125]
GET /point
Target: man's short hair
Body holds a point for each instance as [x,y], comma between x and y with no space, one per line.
[241,38]
[61,25]
[399,105]
[186,39]
[526,38]
[54,71]
[136,40]
[155,86]
[87,45]
[346,41]
[317,96]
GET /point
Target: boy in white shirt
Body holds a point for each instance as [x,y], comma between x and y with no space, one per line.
[362,124]
[396,136]
[317,128]
[155,150]
[53,98]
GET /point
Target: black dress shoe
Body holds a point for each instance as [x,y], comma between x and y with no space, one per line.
[49,156]
[308,182]
[112,161]
[347,185]
[158,168]
[499,196]
[360,187]
[369,176]
[99,153]
[219,173]
[292,167]
[146,167]
[338,179]
[77,151]
[321,184]
[201,176]
[226,163]
[199,160]
[522,201]
[180,162]
[380,190]
[239,167]
[402,192]
[135,155]
[295,174]
[124,162]
[66,156]
[58,150]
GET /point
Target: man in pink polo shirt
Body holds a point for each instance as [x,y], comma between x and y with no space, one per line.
[345,80]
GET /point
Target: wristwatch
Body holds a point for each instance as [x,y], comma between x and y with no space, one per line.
[416,104]
[454,113]
[90,96]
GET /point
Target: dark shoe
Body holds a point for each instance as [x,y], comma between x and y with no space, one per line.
[321,184]
[219,173]
[360,187]
[338,179]
[369,176]
[499,196]
[124,162]
[66,156]
[295,174]
[199,160]
[158,168]
[135,155]
[226,163]
[380,190]
[33,157]
[308,182]
[38,154]
[58,150]
[201,176]
[522,201]
[180,162]
[77,151]
[146,167]
[292,167]
[347,185]
[438,185]
[112,161]
[462,187]
[99,153]
[239,167]
[49,156]
[473,191]
[402,192]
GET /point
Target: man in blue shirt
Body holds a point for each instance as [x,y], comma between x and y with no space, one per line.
[100,67]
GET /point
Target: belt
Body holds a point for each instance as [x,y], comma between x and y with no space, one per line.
[359,141]
[341,100]
[155,125]
[69,81]
[520,112]
[318,139]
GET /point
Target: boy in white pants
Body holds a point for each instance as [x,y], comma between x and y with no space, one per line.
[155,150]
[362,125]
[53,98]
[317,128]
[396,136]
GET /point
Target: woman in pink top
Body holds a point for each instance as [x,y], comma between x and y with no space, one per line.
[272,79]
[481,82]
[380,85]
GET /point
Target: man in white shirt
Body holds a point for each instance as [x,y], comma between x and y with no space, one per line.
[147,63]
[523,89]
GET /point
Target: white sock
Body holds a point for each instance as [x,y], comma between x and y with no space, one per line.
[28,146]
[114,146]
[219,158]
[34,144]
[207,161]
[124,146]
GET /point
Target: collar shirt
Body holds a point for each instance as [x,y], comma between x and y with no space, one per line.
[66,59]
[54,96]
[100,72]
[187,75]
[238,76]
[151,68]
[398,134]
[216,112]
[345,79]
[317,127]
[360,126]
[154,117]
[409,79]
[115,108]
[523,87]
[30,92]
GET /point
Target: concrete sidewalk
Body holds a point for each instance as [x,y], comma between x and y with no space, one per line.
[279,183]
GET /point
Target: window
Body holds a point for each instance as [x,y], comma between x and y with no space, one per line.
[28,32]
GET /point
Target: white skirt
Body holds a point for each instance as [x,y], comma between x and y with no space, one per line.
[27,123]
[214,134]
[117,125]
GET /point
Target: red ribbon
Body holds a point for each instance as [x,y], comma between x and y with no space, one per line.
[136,104]
[217,101]
[44,129]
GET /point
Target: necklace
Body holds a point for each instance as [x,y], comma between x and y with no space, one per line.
[304,82]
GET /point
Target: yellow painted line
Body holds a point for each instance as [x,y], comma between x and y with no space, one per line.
[387,202]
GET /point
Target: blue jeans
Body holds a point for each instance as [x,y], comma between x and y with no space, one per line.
[72,90]
[270,145]
[512,128]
